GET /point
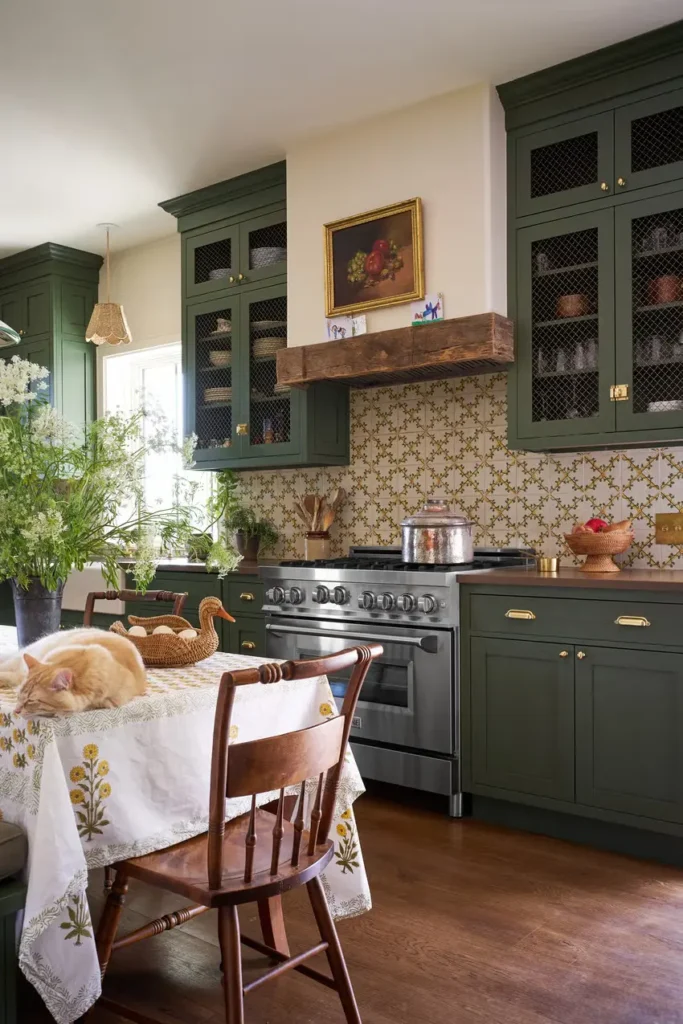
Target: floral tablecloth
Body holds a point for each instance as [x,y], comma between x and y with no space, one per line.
[97,787]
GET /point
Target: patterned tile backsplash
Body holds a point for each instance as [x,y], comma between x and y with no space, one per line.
[447,439]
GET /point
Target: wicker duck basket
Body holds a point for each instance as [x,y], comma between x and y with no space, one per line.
[168,650]
[599,548]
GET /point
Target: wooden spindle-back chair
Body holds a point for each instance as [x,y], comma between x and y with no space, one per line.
[257,857]
[166,596]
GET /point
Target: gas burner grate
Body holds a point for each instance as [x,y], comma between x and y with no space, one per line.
[389,564]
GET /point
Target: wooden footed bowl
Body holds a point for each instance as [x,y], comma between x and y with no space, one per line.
[599,548]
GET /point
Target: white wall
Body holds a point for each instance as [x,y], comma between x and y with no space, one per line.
[450,151]
[146,281]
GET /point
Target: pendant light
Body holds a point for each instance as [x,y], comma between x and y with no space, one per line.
[108,321]
[8,336]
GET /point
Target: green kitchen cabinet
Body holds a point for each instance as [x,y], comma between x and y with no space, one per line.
[234,246]
[629,732]
[597,143]
[522,716]
[47,294]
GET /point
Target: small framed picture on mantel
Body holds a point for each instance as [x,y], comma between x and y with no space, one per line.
[374,259]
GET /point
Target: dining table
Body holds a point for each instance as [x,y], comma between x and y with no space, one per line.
[93,788]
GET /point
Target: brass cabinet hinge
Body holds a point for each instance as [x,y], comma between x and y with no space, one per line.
[619,393]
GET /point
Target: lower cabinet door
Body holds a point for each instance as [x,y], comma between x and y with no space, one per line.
[523,717]
[629,731]
[248,636]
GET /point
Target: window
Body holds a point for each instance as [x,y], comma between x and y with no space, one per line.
[154,374]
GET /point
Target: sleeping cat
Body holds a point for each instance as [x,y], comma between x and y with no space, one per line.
[74,670]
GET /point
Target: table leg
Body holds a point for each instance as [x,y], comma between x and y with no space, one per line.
[273,924]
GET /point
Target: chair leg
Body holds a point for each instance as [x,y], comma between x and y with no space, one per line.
[272,923]
[335,956]
[231,952]
[108,878]
[109,922]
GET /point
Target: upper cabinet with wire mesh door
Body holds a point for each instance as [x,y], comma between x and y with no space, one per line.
[234,293]
[649,142]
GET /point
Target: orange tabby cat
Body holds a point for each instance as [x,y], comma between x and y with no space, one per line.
[75,670]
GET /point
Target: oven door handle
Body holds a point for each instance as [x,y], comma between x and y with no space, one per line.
[425,643]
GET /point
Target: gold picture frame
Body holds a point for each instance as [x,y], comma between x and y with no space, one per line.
[378,252]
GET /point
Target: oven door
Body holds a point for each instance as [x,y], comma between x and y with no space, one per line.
[407,698]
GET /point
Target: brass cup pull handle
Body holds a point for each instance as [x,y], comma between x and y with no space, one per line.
[519,613]
[632,620]
[242,428]
[581,655]
[246,596]
[564,654]
[621,182]
[248,645]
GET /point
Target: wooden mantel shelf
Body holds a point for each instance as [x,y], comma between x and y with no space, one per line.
[461,347]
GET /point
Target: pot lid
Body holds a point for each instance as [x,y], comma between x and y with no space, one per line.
[436,513]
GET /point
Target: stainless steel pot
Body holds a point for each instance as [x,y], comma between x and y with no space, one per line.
[435,535]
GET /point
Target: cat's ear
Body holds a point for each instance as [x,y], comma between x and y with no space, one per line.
[63,680]
[31,661]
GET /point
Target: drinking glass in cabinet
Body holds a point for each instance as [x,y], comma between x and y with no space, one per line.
[561,361]
[592,354]
[579,357]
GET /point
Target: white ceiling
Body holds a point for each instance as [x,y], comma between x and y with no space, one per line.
[106,108]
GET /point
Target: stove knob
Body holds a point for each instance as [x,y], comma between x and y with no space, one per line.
[340,595]
[427,604]
[321,594]
[405,602]
[366,600]
[275,595]
[296,595]
[385,602]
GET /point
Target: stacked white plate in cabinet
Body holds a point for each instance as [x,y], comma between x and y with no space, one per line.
[266,255]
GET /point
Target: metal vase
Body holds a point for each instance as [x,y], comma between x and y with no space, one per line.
[37,610]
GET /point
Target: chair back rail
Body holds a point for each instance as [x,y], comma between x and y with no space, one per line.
[277,762]
[164,596]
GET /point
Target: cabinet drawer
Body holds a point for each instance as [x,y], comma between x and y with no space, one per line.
[622,620]
[244,596]
[248,636]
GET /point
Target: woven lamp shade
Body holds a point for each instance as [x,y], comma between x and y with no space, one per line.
[108,325]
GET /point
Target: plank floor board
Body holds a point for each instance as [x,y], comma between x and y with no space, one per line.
[472,924]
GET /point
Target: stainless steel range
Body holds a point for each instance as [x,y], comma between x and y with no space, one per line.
[406,730]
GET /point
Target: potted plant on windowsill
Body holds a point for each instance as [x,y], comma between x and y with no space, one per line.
[70,495]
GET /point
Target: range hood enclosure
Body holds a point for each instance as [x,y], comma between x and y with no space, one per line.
[461,347]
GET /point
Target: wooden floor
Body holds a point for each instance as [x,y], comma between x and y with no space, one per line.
[472,924]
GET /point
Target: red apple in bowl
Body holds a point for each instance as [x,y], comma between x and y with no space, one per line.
[596,525]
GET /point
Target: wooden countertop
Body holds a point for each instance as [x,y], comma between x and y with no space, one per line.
[627,579]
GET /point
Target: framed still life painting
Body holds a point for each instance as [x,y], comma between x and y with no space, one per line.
[374,259]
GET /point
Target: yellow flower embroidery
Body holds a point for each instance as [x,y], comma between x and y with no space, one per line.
[77,796]
[347,814]
[31,751]
[90,751]
[33,727]
[77,774]
[234,732]
[19,760]
[105,789]
[325,709]
[341,830]
[18,736]
[103,768]
[4,743]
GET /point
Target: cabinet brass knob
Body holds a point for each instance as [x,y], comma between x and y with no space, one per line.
[248,645]
[21,330]
[564,654]
[632,620]
[242,428]
[519,613]
[621,182]
[231,279]
[581,655]
[604,186]
[240,277]
[246,596]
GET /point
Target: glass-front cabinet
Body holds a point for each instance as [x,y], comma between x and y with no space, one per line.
[235,323]
[595,206]
[565,327]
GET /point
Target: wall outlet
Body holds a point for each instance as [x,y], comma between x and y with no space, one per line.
[669,528]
